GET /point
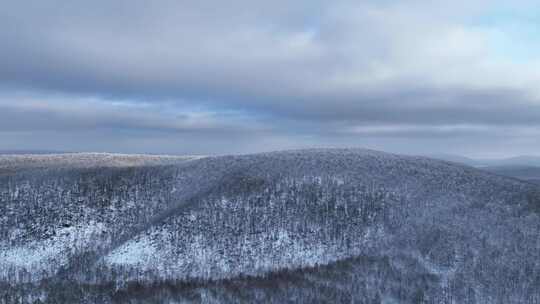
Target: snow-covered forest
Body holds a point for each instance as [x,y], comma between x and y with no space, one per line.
[339,226]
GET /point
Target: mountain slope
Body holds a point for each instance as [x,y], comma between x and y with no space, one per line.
[446,229]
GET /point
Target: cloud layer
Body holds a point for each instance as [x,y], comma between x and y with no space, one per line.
[243,76]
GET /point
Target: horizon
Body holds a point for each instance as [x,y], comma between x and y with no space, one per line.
[442,156]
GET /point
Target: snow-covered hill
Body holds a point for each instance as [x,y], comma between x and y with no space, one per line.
[454,233]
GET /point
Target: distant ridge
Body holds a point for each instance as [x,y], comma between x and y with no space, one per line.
[523,160]
[19,162]
[456,159]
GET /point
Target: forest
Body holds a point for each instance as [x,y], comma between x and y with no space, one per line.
[305,226]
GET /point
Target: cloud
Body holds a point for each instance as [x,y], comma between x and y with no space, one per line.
[283,73]
[27,113]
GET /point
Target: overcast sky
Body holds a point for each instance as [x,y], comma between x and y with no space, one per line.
[219,77]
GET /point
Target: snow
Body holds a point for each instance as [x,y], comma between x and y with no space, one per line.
[48,254]
[30,257]
[257,214]
[138,252]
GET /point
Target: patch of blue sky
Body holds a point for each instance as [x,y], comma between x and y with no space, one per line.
[514,32]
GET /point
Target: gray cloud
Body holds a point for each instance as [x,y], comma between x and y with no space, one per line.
[268,75]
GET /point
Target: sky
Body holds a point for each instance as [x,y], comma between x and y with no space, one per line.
[223,77]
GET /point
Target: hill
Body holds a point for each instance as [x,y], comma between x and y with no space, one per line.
[305,226]
[526,173]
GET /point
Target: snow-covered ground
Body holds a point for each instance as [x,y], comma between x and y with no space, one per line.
[46,256]
[223,217]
